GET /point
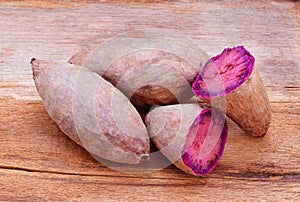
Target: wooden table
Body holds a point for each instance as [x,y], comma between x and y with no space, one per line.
[38,162]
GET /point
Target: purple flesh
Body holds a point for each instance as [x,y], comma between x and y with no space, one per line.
[224,73]
[205,142]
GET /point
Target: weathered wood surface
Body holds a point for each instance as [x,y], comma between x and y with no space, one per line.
[37,162]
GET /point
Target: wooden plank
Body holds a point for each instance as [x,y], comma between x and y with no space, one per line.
[32,141]
[270,32]
[38,162]
[33,186]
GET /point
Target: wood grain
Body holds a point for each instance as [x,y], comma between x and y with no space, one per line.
[38,162]
[29,136]
[95,188]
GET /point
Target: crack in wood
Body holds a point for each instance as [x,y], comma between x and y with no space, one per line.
[255,176]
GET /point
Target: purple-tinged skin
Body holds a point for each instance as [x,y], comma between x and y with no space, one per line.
[224,73]
[205,142]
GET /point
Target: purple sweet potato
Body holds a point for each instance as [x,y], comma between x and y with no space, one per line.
[149,67]
[191,137]
[92,112]
[160,78]
[233,76]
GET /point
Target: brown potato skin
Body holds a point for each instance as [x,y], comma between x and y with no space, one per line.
[56,84]
[173,80]
[168,127]
[248,105]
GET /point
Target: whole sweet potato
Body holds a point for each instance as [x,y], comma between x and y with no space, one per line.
[91,111]
[148,67]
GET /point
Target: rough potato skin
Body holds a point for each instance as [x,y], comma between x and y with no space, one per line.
[248,105]
[91,120]
[230,81]
[171,74]
[80,57]
[191,137]
[255,106]
[168,130]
